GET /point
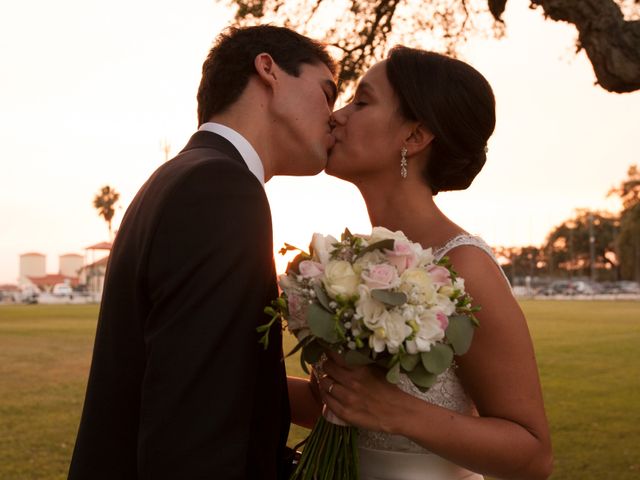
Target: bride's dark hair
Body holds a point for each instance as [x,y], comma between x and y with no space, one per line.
[455,102]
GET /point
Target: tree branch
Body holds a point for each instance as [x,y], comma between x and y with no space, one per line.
[611,43]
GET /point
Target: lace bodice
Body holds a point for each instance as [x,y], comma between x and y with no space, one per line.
[447,392]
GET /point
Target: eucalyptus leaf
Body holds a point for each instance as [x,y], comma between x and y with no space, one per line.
[322,297]
[409,361]
[421,378]
[322,323]
[460,333]
[393,375]
[356,358]
[438,359]
[394,299]
[381,245]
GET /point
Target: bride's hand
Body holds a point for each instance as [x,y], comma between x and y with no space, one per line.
[361,396]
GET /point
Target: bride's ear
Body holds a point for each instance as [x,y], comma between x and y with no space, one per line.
[266,69]
[419,139]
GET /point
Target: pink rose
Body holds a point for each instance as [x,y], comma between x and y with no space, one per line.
[380,276]
[402,256]
[439,275]
[443,320]
[310,269]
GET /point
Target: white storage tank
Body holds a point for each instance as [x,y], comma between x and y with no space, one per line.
[70,264]
[32,264]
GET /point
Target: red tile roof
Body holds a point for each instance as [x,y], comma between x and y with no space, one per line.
[51,279]
[32,254]
[100,246]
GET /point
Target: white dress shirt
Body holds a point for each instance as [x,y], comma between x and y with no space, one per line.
[247,152]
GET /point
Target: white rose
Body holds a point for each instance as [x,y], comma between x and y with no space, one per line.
[322,246]
[425,257]
[371,311]
[380,233]
[417,284]
[340,279]
[429,331]
[396,331]
[444,303]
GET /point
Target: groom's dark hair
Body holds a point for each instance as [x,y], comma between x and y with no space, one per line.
[230,63]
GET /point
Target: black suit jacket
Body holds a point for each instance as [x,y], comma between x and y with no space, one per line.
[179,387]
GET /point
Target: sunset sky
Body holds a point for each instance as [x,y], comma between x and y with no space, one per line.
[90,89]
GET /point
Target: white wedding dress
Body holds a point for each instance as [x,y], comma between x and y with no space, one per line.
[393,457]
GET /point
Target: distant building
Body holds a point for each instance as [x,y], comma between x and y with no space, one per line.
[46,283]
[70,264]
[92,275]
[32,264]
[75,270]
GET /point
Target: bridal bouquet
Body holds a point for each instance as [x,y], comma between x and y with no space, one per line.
[377,299]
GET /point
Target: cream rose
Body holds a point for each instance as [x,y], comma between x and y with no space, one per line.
[380,233]
[340,279]
[417,285]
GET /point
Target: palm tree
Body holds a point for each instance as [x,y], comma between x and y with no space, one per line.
[105,202]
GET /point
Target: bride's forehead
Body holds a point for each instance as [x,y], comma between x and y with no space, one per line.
[375,78]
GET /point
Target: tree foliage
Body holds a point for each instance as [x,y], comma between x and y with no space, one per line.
[105,202]
[628,242]
[568,246]
[608,30]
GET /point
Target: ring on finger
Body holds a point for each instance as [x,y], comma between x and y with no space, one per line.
[331,387]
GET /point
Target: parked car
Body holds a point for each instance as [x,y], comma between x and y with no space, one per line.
[62,290]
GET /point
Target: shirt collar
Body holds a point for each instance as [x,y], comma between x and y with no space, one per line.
[248,153]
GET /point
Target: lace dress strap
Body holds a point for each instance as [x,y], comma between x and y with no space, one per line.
[470,240]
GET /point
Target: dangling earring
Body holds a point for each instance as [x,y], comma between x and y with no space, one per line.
[403,162]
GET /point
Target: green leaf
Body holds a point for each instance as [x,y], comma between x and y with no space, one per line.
[394,299]
[421,378]
[409,361]
[322,297]
[301,344]
[294,265]
[393,375]
[460,333]
[438,359]
[381,245]
[357,357]
[311,352]
[322,323]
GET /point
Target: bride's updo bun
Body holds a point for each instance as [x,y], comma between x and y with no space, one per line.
[455,102]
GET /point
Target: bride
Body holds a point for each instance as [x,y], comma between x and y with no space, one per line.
[419,124]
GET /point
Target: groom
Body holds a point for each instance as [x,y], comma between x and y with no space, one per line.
[179,386]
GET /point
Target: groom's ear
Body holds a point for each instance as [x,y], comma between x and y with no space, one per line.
[266,68]
[419,139]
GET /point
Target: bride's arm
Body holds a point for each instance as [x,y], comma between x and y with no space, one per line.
[510,437]
[305,401]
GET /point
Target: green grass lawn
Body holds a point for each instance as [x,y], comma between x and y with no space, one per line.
[588,354]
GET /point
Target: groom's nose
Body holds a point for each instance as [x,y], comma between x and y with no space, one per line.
[337,118]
